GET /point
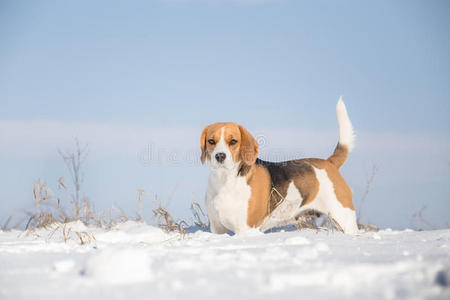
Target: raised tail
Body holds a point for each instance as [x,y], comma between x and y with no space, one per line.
[346,136]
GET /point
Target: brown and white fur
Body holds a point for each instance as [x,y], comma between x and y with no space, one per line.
[246,192]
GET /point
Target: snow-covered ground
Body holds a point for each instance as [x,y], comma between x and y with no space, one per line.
[138,261]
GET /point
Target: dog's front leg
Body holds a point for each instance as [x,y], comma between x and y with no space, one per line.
[214,223]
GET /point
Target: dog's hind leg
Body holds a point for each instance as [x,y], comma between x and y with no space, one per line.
[326,202]
[345,219]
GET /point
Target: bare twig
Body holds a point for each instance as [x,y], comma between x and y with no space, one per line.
[366,192]
[421,219]
[74,161]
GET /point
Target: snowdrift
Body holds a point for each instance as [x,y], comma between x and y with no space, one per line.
[137,261]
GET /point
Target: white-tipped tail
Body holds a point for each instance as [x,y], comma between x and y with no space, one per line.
[346,134]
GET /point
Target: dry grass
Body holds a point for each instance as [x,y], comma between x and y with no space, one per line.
[50,210]
[330,224]
[368,227]
[309,220]
[167,223]
[53,215]
[200,218]
[7,224]
[66,232]
[166,220]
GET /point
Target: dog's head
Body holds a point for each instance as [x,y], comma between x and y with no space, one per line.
[225,145]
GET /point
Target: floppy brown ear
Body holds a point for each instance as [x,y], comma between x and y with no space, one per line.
[249,147]
[203,144]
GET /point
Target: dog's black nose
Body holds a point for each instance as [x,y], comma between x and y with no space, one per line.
[221,157]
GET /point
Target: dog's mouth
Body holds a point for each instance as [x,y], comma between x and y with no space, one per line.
[221,166]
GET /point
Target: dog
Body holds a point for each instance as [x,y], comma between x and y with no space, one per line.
[246,192]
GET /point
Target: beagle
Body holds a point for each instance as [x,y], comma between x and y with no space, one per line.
[246,192]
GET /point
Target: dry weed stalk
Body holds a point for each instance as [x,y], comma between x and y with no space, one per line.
[418,216]
[44,196]
[166,222]
[330,223]
[307,220]
[4,227]
[85,237]
[200,218]
[140,195]
[367,227]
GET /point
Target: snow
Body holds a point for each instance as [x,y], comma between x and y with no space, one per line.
[138,261]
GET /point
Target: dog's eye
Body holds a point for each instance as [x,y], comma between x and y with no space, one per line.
[233,142]
[211,142]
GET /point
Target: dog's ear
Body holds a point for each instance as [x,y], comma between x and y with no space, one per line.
[249,147]
[203,144]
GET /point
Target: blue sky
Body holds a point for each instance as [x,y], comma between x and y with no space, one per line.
[128,76]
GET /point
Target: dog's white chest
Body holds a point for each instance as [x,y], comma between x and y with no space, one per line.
[227,200]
